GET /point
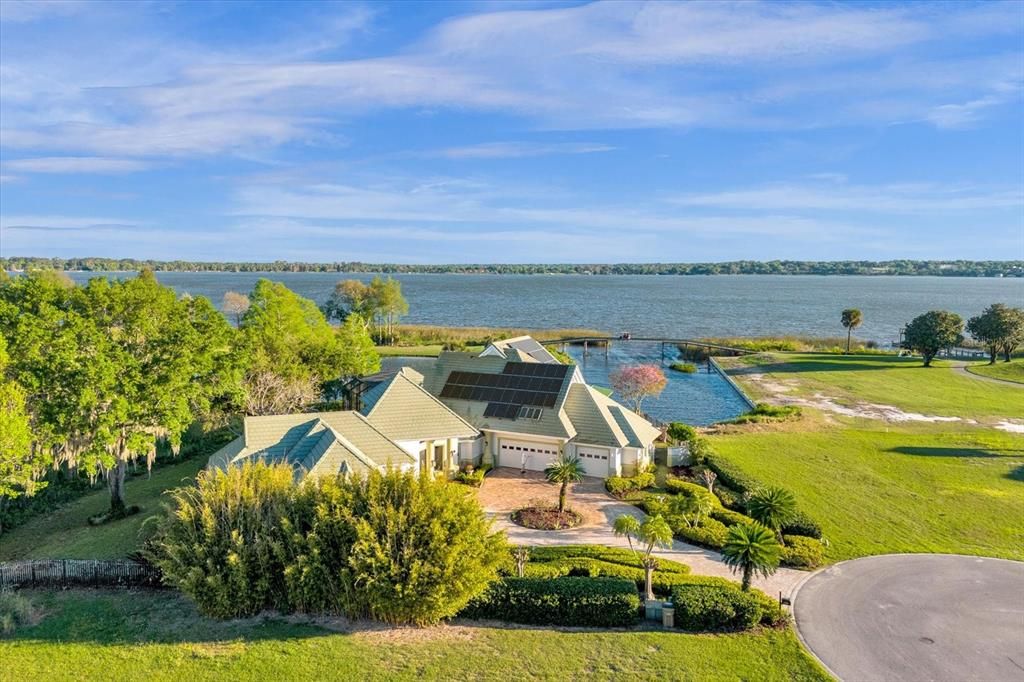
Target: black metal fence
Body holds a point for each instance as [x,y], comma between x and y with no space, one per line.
[64,573]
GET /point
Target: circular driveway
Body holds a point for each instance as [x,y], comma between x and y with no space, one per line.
[916,617]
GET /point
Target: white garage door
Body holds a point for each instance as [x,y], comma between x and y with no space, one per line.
[594,461]
[527,455]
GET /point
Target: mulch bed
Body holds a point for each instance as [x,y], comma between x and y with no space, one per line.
[546,518]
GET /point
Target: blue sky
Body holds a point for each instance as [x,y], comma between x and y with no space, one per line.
[497,132]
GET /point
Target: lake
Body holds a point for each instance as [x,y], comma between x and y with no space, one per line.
[677,306]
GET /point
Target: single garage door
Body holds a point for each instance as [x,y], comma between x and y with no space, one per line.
[594,461]
[526,455]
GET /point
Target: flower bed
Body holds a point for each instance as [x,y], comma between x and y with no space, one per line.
[546,518]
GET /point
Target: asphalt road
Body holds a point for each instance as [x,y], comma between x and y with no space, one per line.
[916,617]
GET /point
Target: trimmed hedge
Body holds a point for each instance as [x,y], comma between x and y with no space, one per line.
[719,604]
[679,486]
[802,552]
[592,602]
[730,517]
[731,475]
[803,525]
[710,533]
[620,485]
[597,561]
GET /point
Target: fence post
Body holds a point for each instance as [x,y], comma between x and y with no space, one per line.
[33,565]
[64,573]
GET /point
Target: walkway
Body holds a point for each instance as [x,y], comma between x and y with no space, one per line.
[962,368]
[916,617]
[505,490]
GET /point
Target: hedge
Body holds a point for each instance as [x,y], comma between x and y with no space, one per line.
[730,517]
[593,602]
[802,552]
[597,561]
[731,475]
[679,486]
[619,485]
[710,533]
[719,604]
[475,478]
[804,525]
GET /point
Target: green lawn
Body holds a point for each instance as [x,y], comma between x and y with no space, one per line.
[889,380]
[158,636]
[428,351]
[878,489]
[66,534]
[1007,371]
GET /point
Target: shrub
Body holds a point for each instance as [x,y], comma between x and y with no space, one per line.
[802,552]
[680,432]
[595,560]
[685,367]
[396,547]
[728,498]
[700,449]
[765,413]
[621,486]
[803,525]
[709,607]
[474,478]
[678,486]
[731,475]
[710,533]
[16,611]
[593,602]
[729,517]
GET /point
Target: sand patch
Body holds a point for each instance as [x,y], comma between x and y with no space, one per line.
[1010,426]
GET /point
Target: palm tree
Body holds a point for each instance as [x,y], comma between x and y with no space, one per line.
[752,549]
[565,470]
[772,507]
[653,532]
[852,318]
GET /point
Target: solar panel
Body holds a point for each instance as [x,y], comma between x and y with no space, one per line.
[502,410]
[521,383]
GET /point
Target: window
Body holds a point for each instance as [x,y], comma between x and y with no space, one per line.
[528,412]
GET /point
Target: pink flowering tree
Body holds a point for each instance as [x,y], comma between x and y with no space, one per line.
[637,382]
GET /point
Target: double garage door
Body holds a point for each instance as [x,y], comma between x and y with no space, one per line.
[537,456]
[527,455]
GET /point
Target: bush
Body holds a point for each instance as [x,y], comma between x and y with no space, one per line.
[395,547]
[474,478]
[592,602]
[595,560]
[709,533]
[731,475]
[730,517]
[709,607]
[728,498]
[700,449]
[803,525]
[678,486]
[680,432]
[765,413]
[802,552]
[685,367]
[16,611]
[621,486]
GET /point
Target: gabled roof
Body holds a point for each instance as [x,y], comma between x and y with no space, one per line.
[520,349]
[320,443]
[599,420]
[402,409]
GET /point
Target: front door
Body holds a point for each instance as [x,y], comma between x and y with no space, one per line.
[439,464]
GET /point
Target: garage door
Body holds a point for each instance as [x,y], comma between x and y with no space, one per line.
[594,461]
[527,455]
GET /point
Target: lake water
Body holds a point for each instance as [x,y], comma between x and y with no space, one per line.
[677,306]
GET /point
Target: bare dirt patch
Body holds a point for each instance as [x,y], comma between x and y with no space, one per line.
[546,518]
[1010,426]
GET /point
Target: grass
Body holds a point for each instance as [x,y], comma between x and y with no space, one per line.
[427,351]
[65,533]
[878,487]
[425,334]
[889,380]
[1007,371]
[159,636]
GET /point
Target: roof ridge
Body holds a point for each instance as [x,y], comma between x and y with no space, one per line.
[305,434]
[436,401]
[390,384]
[351,447]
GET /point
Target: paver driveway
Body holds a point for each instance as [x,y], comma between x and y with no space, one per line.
[505,490]
[916,617]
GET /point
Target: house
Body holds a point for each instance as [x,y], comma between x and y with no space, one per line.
[529,409]
[511,405]
[400,408]
[315,444]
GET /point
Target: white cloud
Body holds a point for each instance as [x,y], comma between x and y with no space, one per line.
[75,164]
[514,150]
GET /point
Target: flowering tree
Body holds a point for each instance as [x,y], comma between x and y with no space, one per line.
[637,382]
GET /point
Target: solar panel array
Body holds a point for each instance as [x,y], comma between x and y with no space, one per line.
[520,383]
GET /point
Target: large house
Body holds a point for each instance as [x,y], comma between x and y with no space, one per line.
[511,405]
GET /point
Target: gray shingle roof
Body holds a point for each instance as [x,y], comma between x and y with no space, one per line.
[402,409]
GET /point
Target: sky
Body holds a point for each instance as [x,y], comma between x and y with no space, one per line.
[529,132]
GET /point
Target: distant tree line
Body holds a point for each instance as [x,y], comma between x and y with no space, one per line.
[952,268]
[96,377]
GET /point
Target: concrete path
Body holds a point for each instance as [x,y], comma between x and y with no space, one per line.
[505,490]
[916,617]
[962,368]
